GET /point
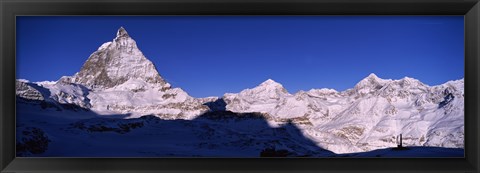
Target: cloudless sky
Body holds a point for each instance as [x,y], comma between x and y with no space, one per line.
[213,55]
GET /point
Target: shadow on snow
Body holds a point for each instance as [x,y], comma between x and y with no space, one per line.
[218,133]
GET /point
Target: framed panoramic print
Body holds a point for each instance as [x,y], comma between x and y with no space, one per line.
[284,86]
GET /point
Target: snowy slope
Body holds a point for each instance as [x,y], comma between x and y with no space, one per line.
[118,82]
[369,116]
[259,99]
[214,134]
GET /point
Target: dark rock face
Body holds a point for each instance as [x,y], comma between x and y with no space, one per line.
[447,99]
[95,68]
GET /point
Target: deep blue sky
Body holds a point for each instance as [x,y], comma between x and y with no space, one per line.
[212,55]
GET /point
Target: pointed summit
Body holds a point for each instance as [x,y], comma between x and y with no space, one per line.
[370,83]
[122,32]
[270,82]
[117,62]
[267,91]
[270,85]
[373,76]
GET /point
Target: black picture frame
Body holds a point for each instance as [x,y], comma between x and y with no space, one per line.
[9,9]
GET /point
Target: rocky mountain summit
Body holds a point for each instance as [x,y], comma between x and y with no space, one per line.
[115,63]
[118,79]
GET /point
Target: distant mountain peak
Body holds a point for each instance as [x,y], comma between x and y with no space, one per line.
[271,85]
[266,90]
[370,83]
[371,79]
[408,80]
[270,82]
[122,32]
[373,76]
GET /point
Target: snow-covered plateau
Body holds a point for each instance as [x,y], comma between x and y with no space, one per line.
[118,105]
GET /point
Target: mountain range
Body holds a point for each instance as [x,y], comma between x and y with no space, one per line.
[118,90]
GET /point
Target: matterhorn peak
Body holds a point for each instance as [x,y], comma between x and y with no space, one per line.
[122,32]
[117,62]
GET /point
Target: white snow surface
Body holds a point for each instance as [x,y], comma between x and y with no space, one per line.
[367,117]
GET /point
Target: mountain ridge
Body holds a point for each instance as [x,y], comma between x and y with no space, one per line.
[119,79]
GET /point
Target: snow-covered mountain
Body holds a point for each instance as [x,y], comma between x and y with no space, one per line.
[264,97]
[118,62]
[118,81]
[367,117]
